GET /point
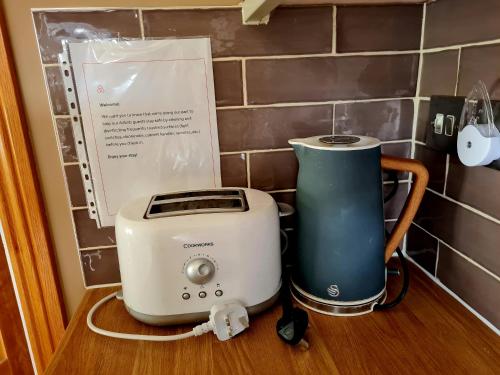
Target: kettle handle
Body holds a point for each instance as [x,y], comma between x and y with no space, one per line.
[421,177]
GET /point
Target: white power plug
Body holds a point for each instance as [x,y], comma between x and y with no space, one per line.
[228,319]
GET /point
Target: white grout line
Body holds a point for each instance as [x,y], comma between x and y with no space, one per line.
[62,116]
[97,286]
[427,98]
[334,30]
[78,208]
[437,258]
[458,70]
[105,247]
[455,296]
[334,108]
[329,54]
[447,168]
[247,160]
[317,103]
[420,143]
[407,140]
[416,102]
[464,45]
[421,59]
[227,58]
[141,23]
[231,153]
[281,191]
[257,151]
[68,163]
[244,81]
[378,53]
[407,181]
[466,206]
[470,260]
[416,105]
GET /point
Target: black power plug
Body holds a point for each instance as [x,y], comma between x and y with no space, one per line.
[291,327]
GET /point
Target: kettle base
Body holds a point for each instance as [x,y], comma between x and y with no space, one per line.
[333,308]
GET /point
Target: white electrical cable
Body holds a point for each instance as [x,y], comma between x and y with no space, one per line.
[197,331]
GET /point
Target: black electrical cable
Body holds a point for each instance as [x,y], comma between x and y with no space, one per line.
[404,264]
[292,325]
[404,288]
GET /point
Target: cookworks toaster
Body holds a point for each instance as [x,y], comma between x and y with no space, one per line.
[181,253]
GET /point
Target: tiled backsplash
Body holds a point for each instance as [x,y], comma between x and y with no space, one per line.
[456,235]
[311,70]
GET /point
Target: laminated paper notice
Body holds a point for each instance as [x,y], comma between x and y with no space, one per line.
[148,113]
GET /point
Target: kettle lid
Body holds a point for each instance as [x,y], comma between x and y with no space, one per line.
[337,142]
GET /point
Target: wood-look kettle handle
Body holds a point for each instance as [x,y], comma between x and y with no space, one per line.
[420,179]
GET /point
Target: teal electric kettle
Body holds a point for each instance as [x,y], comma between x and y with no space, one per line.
[341,247]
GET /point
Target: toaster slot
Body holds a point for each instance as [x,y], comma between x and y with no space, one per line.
[196,202]
[191,194]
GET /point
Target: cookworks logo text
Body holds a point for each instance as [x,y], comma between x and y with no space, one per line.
[200,244]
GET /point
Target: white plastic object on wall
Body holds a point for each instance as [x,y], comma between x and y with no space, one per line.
[478,141]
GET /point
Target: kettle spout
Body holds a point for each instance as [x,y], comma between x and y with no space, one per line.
[298,147]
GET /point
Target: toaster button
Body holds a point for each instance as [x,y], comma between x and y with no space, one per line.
[218,293]
[202,294]
[186,295]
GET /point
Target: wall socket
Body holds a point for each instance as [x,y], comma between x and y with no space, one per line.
[442,126]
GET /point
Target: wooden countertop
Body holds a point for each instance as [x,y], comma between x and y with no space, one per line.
[429,333]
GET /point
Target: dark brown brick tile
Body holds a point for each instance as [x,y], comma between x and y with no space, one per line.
[228,83]
[75,185]
[422,248]
[401,150]
[439,73]
[389,226]
[292,31]
[100,266]
[469,233]
[378,28]
[233,170]
[385,120]
[288,197]
[435,162]
[474,186]
[394,206]
[66,140]
[56,90]
[52,27]
[422,120]
[273,170]
[480,63]
[449,22]
[470,283]
[265,128]
[88,234]
[330,78]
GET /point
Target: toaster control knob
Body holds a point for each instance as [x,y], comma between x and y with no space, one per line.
[200,270]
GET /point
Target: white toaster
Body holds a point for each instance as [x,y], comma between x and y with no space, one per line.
[181,253]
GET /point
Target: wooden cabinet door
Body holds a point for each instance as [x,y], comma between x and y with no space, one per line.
[14,354]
